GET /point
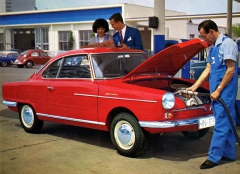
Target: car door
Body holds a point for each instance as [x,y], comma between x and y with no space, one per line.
[73,95]
[34,56]
[44,58]
[39,57]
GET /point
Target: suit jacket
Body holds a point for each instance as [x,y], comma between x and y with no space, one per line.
[132,38]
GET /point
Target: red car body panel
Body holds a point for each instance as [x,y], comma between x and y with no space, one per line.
[92,102]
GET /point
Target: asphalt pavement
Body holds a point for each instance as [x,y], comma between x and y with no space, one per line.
[63,149]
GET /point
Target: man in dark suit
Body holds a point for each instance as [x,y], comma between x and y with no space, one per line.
[125,37]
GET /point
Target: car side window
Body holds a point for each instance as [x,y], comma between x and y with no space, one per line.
[43,54]
[52,70]
[34,54]
[75,67]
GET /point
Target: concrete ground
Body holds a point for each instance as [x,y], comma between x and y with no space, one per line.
[65,149]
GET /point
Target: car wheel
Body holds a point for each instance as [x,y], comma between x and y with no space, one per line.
[127,135]
[29,120]
[4,64]
[196,134]
[20,66]
[29,64]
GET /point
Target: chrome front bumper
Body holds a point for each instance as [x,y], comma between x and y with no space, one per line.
[9,103]
[174,123]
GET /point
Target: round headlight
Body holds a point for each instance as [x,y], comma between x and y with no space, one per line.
[168,100]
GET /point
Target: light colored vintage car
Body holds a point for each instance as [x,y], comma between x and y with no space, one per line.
[117,90]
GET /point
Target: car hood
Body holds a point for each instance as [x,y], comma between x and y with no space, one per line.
[170,60]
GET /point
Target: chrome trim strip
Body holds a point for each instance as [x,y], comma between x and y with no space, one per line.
[170,124]
[117,98]
[87,95]
[130,99]
[9,103]
[71,119]
[190,108]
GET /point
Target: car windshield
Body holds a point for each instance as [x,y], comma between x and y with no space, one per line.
[114,65]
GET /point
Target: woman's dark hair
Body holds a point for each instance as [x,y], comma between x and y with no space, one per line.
[207,25]
[116,17]
[100,23]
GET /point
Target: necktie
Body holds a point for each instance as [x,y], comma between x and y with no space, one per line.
[121,37]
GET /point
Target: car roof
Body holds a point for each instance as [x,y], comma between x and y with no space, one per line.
[99,50]
[7,52]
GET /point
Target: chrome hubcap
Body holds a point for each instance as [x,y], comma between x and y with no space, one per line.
[28,117]
[125,135]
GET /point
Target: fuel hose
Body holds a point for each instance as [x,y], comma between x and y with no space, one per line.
[230,119]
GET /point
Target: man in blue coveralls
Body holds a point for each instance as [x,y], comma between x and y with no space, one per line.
[223,79]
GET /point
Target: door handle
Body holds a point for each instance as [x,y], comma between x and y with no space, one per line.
[50,88]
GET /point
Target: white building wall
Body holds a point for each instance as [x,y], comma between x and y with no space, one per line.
[136,11]
[175,28]
[131,12]
[192,28]
[2,6]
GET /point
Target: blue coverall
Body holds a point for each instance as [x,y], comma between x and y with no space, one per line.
[223,142]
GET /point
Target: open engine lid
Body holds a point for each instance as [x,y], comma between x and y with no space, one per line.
[170,60]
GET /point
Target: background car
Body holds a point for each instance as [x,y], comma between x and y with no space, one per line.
[8,57]
[197,68]
[30,58]
[116,90]
[15,49]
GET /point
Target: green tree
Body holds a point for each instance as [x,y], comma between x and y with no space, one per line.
[236,30]
[71,41]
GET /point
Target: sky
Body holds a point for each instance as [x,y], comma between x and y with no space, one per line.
[204,7]
[200,6]
[187,6]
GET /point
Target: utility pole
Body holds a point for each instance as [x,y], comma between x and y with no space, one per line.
[159,33]
[229,18]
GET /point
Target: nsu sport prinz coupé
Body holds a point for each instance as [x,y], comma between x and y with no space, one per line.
[117,90]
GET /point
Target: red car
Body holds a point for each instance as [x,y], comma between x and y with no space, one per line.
[30,58]
[116,90]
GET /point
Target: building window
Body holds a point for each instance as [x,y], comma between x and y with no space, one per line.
[28,32]
[1,41]
[41,38]
[191,36]
[84,37]
[45,38]
[63,40]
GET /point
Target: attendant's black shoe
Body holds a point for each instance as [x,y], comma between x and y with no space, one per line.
[227,159]
[208,164]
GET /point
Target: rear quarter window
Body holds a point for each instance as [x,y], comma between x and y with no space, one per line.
[35,54]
